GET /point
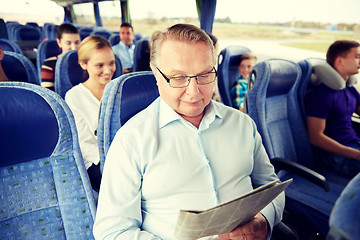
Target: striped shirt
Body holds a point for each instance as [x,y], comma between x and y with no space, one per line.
[48,73]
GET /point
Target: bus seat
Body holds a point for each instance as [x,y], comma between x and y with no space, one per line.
[17,67]
[307,70]
[68,72]
[11,26]
[142,55]
[45,190]
[49,31]
[8,45]
[27,33]
[123,97]
[345,216]
[273,105]
[138,36]
[3,30]
[114,39]
[84,32]
[101,32]
[46,49]
[228,62]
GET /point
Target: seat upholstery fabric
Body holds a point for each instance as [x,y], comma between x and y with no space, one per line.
[45,192]
[8,45]
[123,97]
[273,104]
[17,67]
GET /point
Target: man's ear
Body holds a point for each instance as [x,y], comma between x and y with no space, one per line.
[58,41]
[154,70]
[83,65]
[338,62]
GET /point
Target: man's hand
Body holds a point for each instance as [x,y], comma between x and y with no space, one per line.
[256,229]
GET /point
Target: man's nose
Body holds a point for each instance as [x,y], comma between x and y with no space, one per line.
[73,46]
[193,87]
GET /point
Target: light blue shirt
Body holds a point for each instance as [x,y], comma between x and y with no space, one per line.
[125,53]
[159,163]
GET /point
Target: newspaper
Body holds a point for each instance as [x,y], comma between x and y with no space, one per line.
[226,217]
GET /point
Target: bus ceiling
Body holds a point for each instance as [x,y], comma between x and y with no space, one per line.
[205,8]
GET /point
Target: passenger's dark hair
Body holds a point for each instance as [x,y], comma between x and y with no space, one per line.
[339,48]
[66,28]
[125,24]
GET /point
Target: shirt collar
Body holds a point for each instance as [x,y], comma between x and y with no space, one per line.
[125,46]
[168,115]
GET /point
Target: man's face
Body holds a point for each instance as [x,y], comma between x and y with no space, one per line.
[69,41]
[178,58]
[126,35]
[350,64]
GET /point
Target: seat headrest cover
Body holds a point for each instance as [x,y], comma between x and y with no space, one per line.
[28,126]
[326,74]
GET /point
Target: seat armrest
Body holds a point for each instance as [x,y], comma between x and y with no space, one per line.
[307,173]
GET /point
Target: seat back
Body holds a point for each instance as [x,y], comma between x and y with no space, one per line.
[307,69]
[45,190]
[46,49]
[3,30]
[28,33]
[17,67]
[10,46]
[101,32]
[114,39]
[49,31]
[345,216]
[273,104]
[142,55]
[68,72]
[123,97]
[84,32]
[228,62]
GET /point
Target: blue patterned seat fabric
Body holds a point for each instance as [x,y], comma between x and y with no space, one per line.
[45,192]
[123,97]
[273,104]
[17,67]
[345,217]
[8,45]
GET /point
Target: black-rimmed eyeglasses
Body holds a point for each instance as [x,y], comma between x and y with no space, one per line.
[183,81]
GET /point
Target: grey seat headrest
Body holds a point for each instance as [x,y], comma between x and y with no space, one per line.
[324,73]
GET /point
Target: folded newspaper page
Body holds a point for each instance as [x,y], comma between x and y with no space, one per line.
[226,217]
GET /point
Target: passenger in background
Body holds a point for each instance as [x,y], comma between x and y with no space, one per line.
[68,38]
[329,113]
[125,48]
[241,86]
[98,60]
[173,156]
[3,77]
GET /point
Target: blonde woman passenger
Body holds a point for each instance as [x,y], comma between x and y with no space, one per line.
[98,60]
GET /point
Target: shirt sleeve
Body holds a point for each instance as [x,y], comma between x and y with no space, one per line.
[87,141]
[47,74]
[263,173]
[119,213]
